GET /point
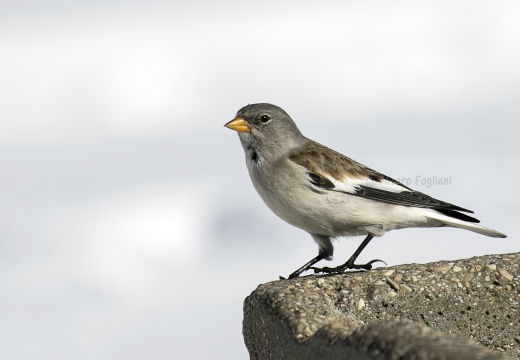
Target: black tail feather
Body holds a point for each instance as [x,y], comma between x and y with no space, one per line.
[458,215]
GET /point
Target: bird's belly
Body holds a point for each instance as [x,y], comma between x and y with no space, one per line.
[315,212]
[333,213]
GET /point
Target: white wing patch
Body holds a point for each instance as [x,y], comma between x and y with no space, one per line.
[351,186]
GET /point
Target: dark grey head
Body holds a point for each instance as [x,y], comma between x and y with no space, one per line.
[266,129]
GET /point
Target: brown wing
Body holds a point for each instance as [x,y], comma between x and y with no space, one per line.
[323,164]
[321,160]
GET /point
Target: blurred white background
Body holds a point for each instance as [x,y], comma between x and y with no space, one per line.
[129,226]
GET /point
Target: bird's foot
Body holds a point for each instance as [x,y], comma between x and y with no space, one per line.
[304,268]
[346,266]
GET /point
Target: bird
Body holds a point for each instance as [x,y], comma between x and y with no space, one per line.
[329,195]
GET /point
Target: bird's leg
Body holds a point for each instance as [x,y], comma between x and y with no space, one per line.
[304,267]
[350,263]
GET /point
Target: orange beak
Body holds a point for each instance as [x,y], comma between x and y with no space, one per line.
[238,124]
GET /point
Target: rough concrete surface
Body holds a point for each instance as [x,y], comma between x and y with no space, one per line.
[440,310]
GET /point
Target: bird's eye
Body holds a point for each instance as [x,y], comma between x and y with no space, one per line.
[264,119]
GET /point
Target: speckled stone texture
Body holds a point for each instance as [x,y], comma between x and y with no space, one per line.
[439,310]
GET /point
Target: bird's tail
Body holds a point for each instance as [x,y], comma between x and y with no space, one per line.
[437,217]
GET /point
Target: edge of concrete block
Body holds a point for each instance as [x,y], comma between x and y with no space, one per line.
[463,309]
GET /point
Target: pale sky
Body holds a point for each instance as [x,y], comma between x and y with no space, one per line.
[130,226]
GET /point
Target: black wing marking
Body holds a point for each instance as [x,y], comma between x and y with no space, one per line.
[406,198]
[321,181]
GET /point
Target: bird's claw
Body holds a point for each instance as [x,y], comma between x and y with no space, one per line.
[346,266]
